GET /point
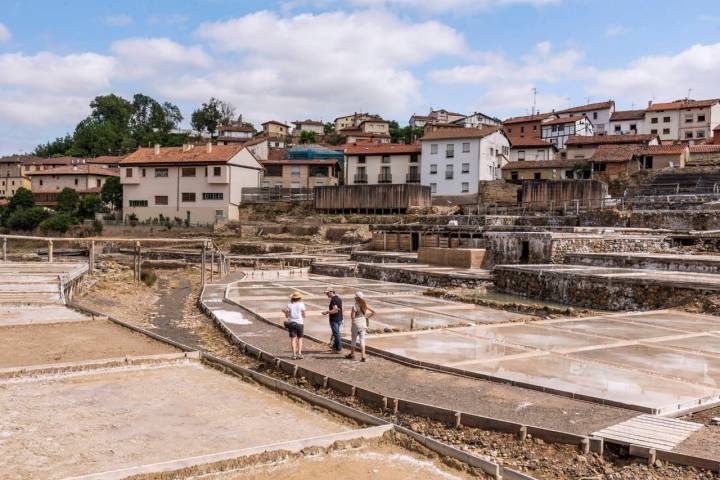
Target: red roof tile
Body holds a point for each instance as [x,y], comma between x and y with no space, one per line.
[530,142]
[84,169]
[589,107]
[526,118]
[706,148]
[176,155]
[381,148]
[616,153]
[663,149]
[682,104]
[458,133]
[607,139]
[624,115]
[560,121]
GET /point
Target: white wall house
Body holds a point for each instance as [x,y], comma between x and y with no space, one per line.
[690,121]
[373,164]
[627,122]
[202,184]
[454,160]
[477,120]
[531,149]
[558,130]
[598,113]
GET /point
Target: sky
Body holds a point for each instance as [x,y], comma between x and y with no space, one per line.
[319,59]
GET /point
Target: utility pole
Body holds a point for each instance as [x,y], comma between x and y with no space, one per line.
[534,90]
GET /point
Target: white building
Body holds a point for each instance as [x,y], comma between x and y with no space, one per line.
[598,113]
[477,120]
[558,130]
[372,163]
[627,122]
[683,120]
[235,134]
[315,127]
[200,184]
[454,160]
[531,149]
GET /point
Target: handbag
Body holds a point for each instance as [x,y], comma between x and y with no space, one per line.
[286,324]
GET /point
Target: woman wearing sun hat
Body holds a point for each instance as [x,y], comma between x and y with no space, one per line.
[295,314]
[360,314]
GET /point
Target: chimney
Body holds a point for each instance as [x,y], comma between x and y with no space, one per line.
[157,149]
[209,147]
[186,147]
[649,103]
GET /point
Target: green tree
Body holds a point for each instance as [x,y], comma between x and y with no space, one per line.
[60,222]
[106,130]
[307,137]
[88,206]
[151,121]
[67,201]
[406,134]
[112,192]
[60,146]
[26,218]
[211,115]
[23,198]
[329,128]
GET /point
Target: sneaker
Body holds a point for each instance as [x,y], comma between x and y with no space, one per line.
[294,357]
[350,356]
[363,359]
[300,356]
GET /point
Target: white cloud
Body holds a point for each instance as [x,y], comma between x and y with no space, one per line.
[4,33]
[666,77]
[460,6]
[118,20]
[615,30]
[143,57]
[170,19]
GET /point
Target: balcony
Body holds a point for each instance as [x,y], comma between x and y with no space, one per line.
[449,175]
[385,178]
[412,178]
[360,178]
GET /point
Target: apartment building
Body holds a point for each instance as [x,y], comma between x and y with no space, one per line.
[199,184]
[353,120]
[599,114]
[627,122]
[686,120]
[583,146]
[530,149]
[478,120]
[373,164]
[301,167]
[12,176]
[528,126]
[85,179]
[558,130]
[454,160]
[275,130]
[375,130]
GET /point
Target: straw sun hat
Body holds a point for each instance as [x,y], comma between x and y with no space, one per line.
[296,296]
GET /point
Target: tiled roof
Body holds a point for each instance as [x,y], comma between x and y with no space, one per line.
[84,169]
[589,107]
[530,142]
[623,115]
[176,155]
[706,148]
[53,161]
[537,164]
[526,118]
[16,158]
[374,120]
[616,153]
[381,148]
[681,104]
[560,121]
[607,139]
[458,133]
[236,128]
[663,149]
[77,190]
[447,113]
[309,122]
[275,122]
[255,141]
[104,159]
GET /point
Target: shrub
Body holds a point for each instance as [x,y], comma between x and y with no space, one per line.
[133,219]
[60,222]
[27,218]
[67,201]
[148,277]
[98,226]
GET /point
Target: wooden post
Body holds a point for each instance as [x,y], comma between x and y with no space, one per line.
[91,257]
[202,265]
[212,262]
[4,249]
[50,251]
[138,259]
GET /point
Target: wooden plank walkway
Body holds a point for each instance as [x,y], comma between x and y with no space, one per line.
[649,431]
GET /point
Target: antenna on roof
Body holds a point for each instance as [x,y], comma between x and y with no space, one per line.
[534,90]
[689,92]
[588,99]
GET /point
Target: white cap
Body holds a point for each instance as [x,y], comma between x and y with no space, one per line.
[359,295]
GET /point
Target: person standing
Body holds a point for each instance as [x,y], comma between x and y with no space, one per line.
[360,314]
[335,315]
[295,314]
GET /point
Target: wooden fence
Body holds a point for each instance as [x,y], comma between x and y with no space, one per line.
[396,198]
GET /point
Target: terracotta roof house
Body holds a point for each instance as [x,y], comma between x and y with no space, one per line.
[84,179]
[199,184]
[302,167]
[12,176]
[612,161]
[558,130]
[527,126]
[703,155]
[685,120]
[583,146]
[382,163]
[531,149]
[598,113]
[546,170]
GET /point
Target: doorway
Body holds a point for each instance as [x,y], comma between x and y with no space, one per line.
[415,241]
[525,252]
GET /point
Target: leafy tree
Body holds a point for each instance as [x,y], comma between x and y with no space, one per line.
[307,137]
[211,115]
[23,198]
[60,146]
[60,222]
[106,130]
[406,134]
[329,128]
[88,206]
[67,201]
[112,192]
[151,122]
[26,218]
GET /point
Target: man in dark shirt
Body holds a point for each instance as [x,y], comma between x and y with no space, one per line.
[335,314]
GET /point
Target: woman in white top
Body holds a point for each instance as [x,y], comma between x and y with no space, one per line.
[295,314]
[360,314]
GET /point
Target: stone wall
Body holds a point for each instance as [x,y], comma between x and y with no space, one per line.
[657,219]
[418,277]
[675,263]
[452,257]
[608,293]
[497,192]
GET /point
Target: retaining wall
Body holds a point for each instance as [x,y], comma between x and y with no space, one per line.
[676,263]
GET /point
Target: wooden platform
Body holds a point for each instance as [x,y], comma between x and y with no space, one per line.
[649,431]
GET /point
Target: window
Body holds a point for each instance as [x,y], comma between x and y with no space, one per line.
[688,135]
[466,147]
[161,200]
[433,168]
[666,119]
[273,170]
[537,176]
[492,152]
[569,174]
[142,172]
[386,159]
[465,168]
[701,118]
[521,154]
[219,214]
[161,172]
[319,171]
[654,120]
[654,131]
[138,203]
[433,148]
[509,130]
[534,128]
[540,155]
[205,171]
[449,171]
[688,118]
[213,196]
[599,167]
[295,172]
[514,175]
[522,129]
[433,188]
[646,163]
[188,172]
[361,160]
[465,187]
[633,127]
[41,182]
[618,129]
[666,131]
[700,134]
[413,158]
[217,171]
[595,117]
[449,150]
[98,183]
[188,196]
[128,172]
[76,181]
